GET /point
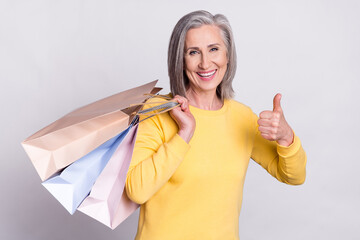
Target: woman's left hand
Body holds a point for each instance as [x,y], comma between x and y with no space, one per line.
[273,126]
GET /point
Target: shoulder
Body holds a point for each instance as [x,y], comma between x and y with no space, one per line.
[155,101]
[161,124]
[242,116]
[236,107]
[241,113]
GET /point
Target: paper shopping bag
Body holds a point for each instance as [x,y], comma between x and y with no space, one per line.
[74,183]
[76,134]
[108,202]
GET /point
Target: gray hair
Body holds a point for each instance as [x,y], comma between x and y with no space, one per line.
[177,75]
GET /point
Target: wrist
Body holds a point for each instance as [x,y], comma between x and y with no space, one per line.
[287,140]
[186,135]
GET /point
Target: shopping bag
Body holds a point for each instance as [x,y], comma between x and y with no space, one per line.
[74,183]
[75,149]
[76,134]
[108,202]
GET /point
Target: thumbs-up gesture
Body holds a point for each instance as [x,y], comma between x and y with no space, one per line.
[273,126]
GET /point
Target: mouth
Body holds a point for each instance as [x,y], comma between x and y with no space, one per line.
[207,76]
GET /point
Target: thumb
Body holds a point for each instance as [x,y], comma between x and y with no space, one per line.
[276,103]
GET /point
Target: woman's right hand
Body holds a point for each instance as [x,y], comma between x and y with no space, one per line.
[184,119]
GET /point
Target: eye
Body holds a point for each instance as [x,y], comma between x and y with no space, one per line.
[214,49]
[192,52]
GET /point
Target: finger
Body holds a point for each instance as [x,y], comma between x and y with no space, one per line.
[178,98]
[266,115]
[276,103]
[264,122]
[185,105]
[269,123]
[267,136]
[183,102]
[268,130]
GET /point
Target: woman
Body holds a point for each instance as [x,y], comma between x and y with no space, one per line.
[188,167]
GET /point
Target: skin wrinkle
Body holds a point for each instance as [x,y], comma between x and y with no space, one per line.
[210,54]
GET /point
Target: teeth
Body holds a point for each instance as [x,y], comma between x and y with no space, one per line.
[207,74]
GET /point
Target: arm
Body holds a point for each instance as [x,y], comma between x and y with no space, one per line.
[287,164]
[276,147]
[159,150]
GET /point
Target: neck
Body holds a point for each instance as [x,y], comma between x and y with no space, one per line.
[204,100]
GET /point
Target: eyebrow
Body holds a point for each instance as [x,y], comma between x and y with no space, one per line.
[209,46]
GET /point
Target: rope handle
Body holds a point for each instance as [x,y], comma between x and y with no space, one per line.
[139,104]
[163,107]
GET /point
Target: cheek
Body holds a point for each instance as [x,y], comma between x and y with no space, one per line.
[190,64]
[221,59]
[189,70]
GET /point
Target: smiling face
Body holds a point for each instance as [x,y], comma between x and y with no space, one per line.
[205,58]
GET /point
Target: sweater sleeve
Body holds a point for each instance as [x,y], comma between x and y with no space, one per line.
[158,152]
[287,164]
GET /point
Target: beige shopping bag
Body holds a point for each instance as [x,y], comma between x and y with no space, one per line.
[73,136]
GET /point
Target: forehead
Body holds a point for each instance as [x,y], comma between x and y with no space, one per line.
[204,35]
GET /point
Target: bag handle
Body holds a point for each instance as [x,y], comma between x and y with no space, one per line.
[163,107]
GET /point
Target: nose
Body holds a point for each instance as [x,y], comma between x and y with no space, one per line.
[205,61]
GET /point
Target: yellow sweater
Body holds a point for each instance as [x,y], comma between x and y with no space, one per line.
[194,191]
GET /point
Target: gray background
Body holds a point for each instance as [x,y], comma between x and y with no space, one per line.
[59,55]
